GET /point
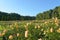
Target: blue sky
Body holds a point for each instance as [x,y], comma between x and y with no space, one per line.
[27,7]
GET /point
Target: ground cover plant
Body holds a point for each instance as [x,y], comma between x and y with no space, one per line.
[31,30]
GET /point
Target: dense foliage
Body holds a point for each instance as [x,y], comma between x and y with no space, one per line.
[31,30]
[14,16]
[49,14]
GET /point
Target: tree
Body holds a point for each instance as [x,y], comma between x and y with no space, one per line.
[49,14]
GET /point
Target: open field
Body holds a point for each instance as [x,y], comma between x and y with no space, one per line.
[30,30]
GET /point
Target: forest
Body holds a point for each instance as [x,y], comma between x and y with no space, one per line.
[14,16]
[4,16]
[49,14]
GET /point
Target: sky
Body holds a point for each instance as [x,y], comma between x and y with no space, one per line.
[27,7]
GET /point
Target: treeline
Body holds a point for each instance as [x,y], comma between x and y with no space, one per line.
[14,16]
[40,16]
[49,14]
